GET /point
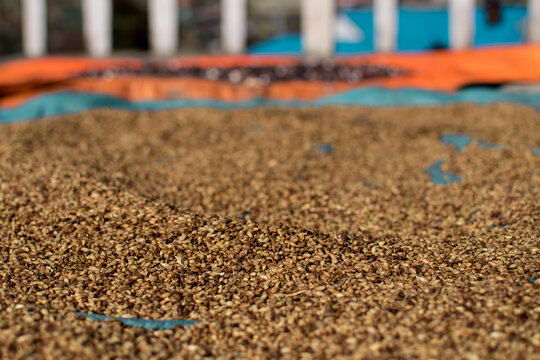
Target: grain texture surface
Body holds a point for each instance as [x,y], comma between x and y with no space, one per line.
[293,234]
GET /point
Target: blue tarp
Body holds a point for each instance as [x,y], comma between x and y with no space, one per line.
[420,28]
[67,102]
[146,324]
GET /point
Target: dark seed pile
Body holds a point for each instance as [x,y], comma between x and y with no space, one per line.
[259,75]
[294,234]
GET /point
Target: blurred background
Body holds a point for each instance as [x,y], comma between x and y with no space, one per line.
[273,28]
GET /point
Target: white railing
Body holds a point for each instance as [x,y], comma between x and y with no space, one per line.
[318,18]
[97,26]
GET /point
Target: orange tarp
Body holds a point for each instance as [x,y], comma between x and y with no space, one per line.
[441,71]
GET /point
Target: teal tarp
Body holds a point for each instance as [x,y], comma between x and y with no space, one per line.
[420,29]
[68,102]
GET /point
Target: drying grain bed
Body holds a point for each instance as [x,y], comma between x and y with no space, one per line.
[285,233]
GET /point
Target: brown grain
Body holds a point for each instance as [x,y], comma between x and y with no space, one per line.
[236,219]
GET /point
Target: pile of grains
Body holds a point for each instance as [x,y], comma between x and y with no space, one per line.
[287,233]
[257,75]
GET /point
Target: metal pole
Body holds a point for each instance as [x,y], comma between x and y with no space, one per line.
[533,12]
[97,26]
[163,25]
[385,14]
[462,21]
[318,19]
[34,18]
[234,25]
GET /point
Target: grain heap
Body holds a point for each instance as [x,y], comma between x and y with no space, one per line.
[286,233]
[255,75]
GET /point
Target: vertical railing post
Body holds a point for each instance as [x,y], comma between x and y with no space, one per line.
[462,23]
[533,15]
[385,14]
[234,25]
[34,19]
[163,25]
[97,26]
[318,19]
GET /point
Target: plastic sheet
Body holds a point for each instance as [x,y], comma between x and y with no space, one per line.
[146,324]
[443,71]
[70,102]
